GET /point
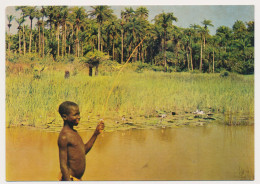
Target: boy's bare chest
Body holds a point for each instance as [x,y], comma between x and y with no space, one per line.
[76,141]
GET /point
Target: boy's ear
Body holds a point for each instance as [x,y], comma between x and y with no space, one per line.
[64,116]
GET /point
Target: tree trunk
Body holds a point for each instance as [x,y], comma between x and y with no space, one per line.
[204,40]
[78,49]
[9,39]
[122,46]
[9,45]
[136,54]
[58,39]
[142,55]
[213,69]
[90,71]
[187,55]
[24,43]
[76,43]
[191,63]
[145,54]
[113,51]
[42,38]
[201,57]
[65,39]
[164,55]
[99,35]
[62,41]
[81,48]
[129,50]
[30,44]
[39,44]
[20,41]
[96,71]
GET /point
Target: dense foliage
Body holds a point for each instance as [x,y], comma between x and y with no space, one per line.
[62,32]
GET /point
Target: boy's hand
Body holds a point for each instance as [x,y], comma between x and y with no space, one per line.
[100,127]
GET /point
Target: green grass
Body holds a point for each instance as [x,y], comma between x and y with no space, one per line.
[34,102]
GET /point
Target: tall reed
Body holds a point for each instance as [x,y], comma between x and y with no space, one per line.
[35,101]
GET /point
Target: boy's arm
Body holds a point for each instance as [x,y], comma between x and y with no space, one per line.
[63,143]
[92,140]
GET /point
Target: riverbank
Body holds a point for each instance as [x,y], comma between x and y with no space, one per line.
[140,99]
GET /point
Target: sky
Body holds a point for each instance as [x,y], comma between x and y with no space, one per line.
[220,15]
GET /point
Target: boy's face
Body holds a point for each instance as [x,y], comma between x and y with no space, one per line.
[73,116]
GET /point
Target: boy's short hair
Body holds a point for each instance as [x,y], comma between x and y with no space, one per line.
[64,107]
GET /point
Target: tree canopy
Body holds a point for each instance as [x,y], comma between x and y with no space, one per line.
[62,31]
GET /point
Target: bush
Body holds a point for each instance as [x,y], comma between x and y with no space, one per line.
[109,66]
[140,67]
[224,74]
[95,57]
[157,68]
[13,58]
[243,67]
[195,71]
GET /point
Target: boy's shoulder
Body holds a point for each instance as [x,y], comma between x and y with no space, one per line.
[66,133]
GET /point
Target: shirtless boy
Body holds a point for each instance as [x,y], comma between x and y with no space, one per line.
[72,150]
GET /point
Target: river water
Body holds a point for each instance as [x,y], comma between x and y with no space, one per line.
[213,152]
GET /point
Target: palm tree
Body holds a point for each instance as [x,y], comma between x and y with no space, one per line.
[44,14]
[186,41]
[165,20]
[50,12]
[123,18]
[225,34]
[239,29]
[39,24]
[196,31]
[30,11]
[206,23]
[134,27]
[101,13]
[20,21]
[113,32]
[190,33]
[79,15]
[250,31]
[215,42]
[176,34]
[202,32]
[126,16]
[64,22]
[10,18]
[142,12]
[57,21]
[23,9]
[90,31]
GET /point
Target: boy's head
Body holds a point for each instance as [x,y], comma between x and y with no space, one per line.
[69,111]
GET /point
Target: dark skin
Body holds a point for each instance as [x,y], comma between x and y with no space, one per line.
[72,150]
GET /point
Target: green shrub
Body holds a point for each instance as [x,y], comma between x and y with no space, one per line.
[224,74]
[108,67]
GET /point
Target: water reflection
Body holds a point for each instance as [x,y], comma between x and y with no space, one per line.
[200,153]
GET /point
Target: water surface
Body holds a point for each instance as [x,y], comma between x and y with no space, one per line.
[213,152]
